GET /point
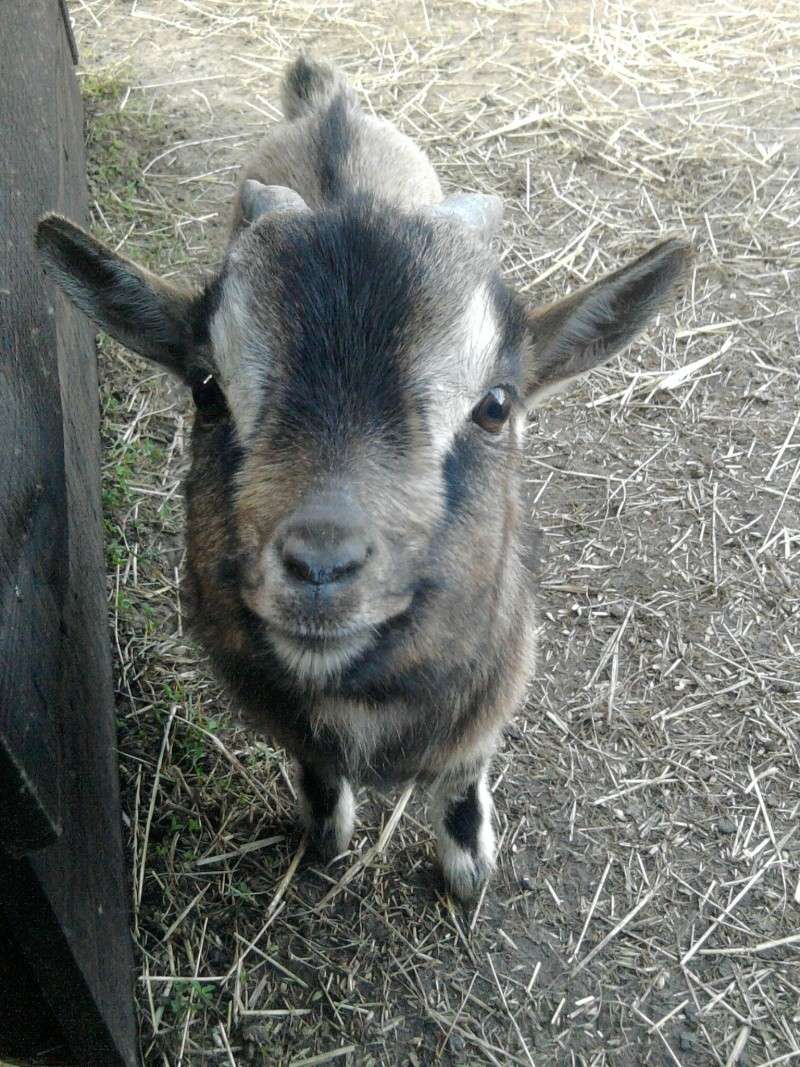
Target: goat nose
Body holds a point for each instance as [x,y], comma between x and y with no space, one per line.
[322,554]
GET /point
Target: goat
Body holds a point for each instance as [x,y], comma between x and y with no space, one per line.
[361,375]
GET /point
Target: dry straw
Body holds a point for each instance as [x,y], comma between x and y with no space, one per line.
[646,905]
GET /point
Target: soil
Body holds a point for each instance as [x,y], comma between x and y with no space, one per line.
[646,904]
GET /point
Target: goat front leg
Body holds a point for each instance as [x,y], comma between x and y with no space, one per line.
[328,809]
[462,819]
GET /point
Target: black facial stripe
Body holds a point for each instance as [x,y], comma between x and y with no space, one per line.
[458,463]
[348,286]
[510,313]
[464,818]
[333,146]
[205,307]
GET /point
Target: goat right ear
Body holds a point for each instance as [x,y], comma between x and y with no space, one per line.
[138,309]
[588,327]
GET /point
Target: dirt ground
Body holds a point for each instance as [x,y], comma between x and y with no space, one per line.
[647,903]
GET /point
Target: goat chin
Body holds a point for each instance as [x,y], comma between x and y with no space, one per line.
[320,660]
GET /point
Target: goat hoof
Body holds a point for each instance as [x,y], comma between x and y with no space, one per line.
[325,843]
[465,875]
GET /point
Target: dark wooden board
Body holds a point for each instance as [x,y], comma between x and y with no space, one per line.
[63,883]
[33,533]
[29,1031]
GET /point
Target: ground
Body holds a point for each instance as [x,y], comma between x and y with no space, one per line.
[646,905]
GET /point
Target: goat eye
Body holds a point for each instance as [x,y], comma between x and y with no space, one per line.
[209,398]
[491,414]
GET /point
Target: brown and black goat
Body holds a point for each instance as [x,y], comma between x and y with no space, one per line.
[362,375]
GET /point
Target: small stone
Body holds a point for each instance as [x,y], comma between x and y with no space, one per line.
[691,1014]
[727,826]
[686,1040]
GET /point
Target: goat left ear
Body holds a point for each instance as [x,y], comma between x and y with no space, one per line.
[142,312]
[568,339]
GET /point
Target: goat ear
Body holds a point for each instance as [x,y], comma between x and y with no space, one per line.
[138,309]
[481,214]
[257,199]
[585,329]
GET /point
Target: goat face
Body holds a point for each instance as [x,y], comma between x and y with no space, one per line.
[372,367]
[361,376]
[373,371]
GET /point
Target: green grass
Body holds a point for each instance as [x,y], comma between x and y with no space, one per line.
[120,142]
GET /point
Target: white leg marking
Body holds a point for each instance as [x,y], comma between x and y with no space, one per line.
[467,858]
[332,834]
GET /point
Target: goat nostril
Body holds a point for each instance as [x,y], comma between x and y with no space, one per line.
[320,564]
[298,568]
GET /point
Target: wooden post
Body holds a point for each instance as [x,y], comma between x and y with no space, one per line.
[66,972]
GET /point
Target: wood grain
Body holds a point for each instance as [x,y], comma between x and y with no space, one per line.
[63,883]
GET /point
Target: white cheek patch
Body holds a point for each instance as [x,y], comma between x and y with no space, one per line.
[242,375]
[460,367]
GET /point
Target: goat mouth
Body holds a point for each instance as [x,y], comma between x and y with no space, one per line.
[323,638]
[314,656]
